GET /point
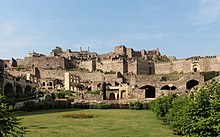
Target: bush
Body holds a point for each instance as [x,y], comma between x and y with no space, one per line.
[48,97]
[194,115]
[32,106]
[9,124]
[53,96]
[100,106]
[162,105]
[70,115]
[60,95]
[94,92]
[209,75]
[136,105]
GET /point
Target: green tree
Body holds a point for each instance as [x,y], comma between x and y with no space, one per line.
[58,50]
[9,124]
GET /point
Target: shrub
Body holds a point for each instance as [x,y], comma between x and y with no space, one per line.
[146,106]
[162,105]
[71,115]
[194,115]
[53,96]
[60,95]
[136,105]
[94,92]
[209,75]
[30,106]
[48,97]
[9,124]
[100,106]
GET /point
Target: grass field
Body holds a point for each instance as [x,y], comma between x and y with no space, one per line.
[105,123]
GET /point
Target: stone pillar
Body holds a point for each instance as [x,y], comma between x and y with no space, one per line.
[67,81]
[104,91]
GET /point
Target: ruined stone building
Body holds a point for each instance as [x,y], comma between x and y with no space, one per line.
[127,74]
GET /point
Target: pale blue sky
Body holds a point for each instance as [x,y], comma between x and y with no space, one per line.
[180,28]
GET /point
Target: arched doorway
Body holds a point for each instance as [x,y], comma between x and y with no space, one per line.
[123,94]
[8,89]
[150,91]
[49,84]
[192,83]
[112,96]
[28,90]
[19,90]
[99,86]
[166,87]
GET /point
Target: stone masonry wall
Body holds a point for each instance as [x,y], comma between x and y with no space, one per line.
[179,66]
[186,66]
[43,62]
[90,65]
[109,65]
[145,67]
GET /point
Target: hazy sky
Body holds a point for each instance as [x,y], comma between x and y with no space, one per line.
[180,28]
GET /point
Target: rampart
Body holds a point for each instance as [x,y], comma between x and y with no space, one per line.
[44,62]
[193,64]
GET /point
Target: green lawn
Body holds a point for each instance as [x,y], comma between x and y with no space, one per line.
[106,123]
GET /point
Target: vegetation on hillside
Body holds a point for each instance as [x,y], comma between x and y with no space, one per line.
[209,75]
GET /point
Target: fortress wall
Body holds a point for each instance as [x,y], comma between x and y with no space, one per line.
[209,64]
[56,74]
[163,68]
[136,54]
[132,67]
[109,65]
[42,62]
[90,65]
[120,50]
[18,73]
[145,67]
[179,66]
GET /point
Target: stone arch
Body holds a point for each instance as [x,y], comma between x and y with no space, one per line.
[116,83]
[43,84]
[191,83]
[118,75]
[27,90]
[19,90]
[8,89]
[150,91]
[89,88]
[112,96]
[49,84]
[166,87]
[123,94]
[99,86]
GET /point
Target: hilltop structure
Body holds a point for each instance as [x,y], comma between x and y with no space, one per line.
[127,74]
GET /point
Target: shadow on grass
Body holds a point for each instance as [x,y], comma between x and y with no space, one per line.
[25,113]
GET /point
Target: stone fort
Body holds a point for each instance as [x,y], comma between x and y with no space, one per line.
[127,74]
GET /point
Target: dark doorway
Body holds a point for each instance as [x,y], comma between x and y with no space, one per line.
[150,70]
[123,94]
[150,91]
[27,90]
[192,83]
[166,87]
[99,86]
[195,69]
[8,89]
[19,90]
[112,96]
